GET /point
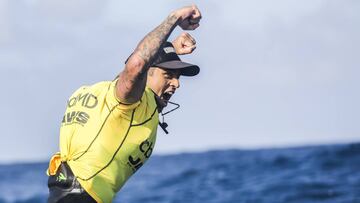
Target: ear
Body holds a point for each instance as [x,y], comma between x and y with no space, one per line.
[151,71]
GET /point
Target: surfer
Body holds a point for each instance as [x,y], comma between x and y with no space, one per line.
[109,129]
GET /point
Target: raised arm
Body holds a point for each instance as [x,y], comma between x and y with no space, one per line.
[132,79]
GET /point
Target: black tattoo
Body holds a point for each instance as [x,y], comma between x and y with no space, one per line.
[132,81]
[149,46]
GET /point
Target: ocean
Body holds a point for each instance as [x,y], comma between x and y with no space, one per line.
[328,173]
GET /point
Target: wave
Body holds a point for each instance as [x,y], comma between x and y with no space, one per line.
[305,174]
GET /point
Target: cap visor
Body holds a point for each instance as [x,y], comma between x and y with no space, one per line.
[186,69]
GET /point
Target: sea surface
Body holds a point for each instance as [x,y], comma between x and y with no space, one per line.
[305,174]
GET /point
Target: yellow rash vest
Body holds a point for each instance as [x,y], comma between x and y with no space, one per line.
[105,141]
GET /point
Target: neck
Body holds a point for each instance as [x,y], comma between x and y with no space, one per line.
[159,102]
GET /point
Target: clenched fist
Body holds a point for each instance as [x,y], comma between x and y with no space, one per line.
[184,44]
[189,17]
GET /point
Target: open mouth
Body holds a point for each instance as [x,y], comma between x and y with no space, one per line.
[167,95]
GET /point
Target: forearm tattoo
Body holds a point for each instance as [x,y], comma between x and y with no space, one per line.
[149,46]
[133,81]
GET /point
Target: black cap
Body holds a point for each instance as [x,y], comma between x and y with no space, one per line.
[168,59]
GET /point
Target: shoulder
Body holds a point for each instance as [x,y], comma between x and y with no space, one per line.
[89,95]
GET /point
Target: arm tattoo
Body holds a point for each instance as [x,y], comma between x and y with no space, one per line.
[149,46]
[133,80]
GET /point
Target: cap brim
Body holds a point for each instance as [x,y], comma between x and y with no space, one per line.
[186,69]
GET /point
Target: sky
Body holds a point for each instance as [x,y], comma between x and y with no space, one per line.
[273,73]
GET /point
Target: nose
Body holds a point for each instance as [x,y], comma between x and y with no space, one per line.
[175,82]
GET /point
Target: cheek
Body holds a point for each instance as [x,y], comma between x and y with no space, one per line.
[165,84]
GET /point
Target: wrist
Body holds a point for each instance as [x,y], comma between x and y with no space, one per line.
[175,17]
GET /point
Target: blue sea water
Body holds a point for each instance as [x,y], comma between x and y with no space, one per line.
[304,174]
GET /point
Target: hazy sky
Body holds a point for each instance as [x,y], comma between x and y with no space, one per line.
[273,73]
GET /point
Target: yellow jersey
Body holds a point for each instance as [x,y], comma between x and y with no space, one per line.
[103,140]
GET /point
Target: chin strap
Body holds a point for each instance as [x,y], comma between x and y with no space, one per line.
[163,124]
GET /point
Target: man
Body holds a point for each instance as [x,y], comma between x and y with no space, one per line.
[109,129]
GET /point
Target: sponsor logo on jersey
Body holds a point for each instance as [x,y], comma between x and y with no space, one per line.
[146,148]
